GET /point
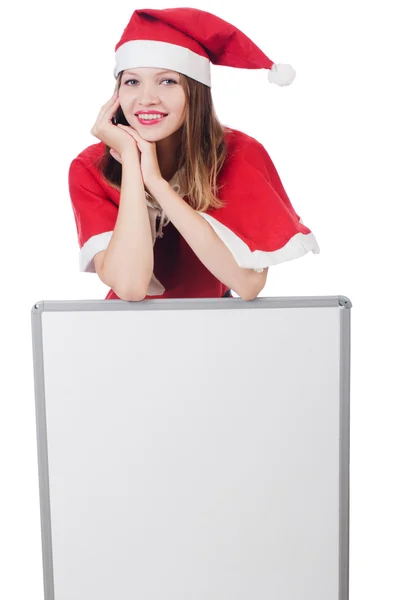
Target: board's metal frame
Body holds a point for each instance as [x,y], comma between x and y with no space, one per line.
[203,304]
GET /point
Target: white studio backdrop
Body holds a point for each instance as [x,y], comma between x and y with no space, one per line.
[331,135]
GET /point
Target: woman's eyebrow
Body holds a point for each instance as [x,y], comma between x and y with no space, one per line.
[132,73]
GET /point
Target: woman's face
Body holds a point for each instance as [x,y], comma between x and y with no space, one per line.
[156,91]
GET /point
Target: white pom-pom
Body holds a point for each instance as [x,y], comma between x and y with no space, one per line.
[281,74]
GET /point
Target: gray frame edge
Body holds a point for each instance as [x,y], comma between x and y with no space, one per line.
[344,449]
[42,452]
[192,303]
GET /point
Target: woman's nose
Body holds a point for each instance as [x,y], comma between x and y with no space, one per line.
[147,95]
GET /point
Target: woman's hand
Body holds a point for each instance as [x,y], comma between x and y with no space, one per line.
[150,169]
[112,135]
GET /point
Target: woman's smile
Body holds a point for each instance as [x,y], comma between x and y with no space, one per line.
[150,119]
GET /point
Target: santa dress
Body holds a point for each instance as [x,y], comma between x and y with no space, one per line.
[258,223]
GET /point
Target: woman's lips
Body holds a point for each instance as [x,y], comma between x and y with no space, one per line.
[150,121]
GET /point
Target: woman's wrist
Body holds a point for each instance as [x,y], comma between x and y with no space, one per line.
[156,185]
[129,155]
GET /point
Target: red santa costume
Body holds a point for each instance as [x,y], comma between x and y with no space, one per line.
[258,223]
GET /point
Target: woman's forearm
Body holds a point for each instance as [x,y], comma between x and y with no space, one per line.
[128,262]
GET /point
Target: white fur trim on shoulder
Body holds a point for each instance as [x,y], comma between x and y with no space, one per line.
[258,260]
[95,244]
[100,242]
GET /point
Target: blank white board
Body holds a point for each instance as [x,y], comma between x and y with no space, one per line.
[193,449]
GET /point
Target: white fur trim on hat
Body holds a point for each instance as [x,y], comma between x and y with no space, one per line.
[281,74]
[162,55]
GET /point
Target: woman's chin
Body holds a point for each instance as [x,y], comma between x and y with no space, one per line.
[154,136]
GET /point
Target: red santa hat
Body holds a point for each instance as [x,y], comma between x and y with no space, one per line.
[187,40]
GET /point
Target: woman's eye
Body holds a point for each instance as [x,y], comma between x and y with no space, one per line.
[127,81]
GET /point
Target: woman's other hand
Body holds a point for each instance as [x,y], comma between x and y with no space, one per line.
[104,129]
[150,168]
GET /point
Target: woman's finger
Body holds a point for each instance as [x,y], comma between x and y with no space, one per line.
[125,127]
[111,100]
[132,132]
[140,142]
[105,116]
[108,108]
[111,108]
[106,113]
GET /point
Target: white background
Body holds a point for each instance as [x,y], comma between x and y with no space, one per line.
[331,135]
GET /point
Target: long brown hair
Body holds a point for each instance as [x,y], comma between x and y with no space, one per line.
[202,151]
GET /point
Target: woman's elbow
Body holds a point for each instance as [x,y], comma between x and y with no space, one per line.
[130,295]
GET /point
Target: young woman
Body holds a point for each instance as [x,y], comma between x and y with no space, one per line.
[169,203]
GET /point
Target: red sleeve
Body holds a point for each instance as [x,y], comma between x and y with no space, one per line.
[258,222]
[94,212]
